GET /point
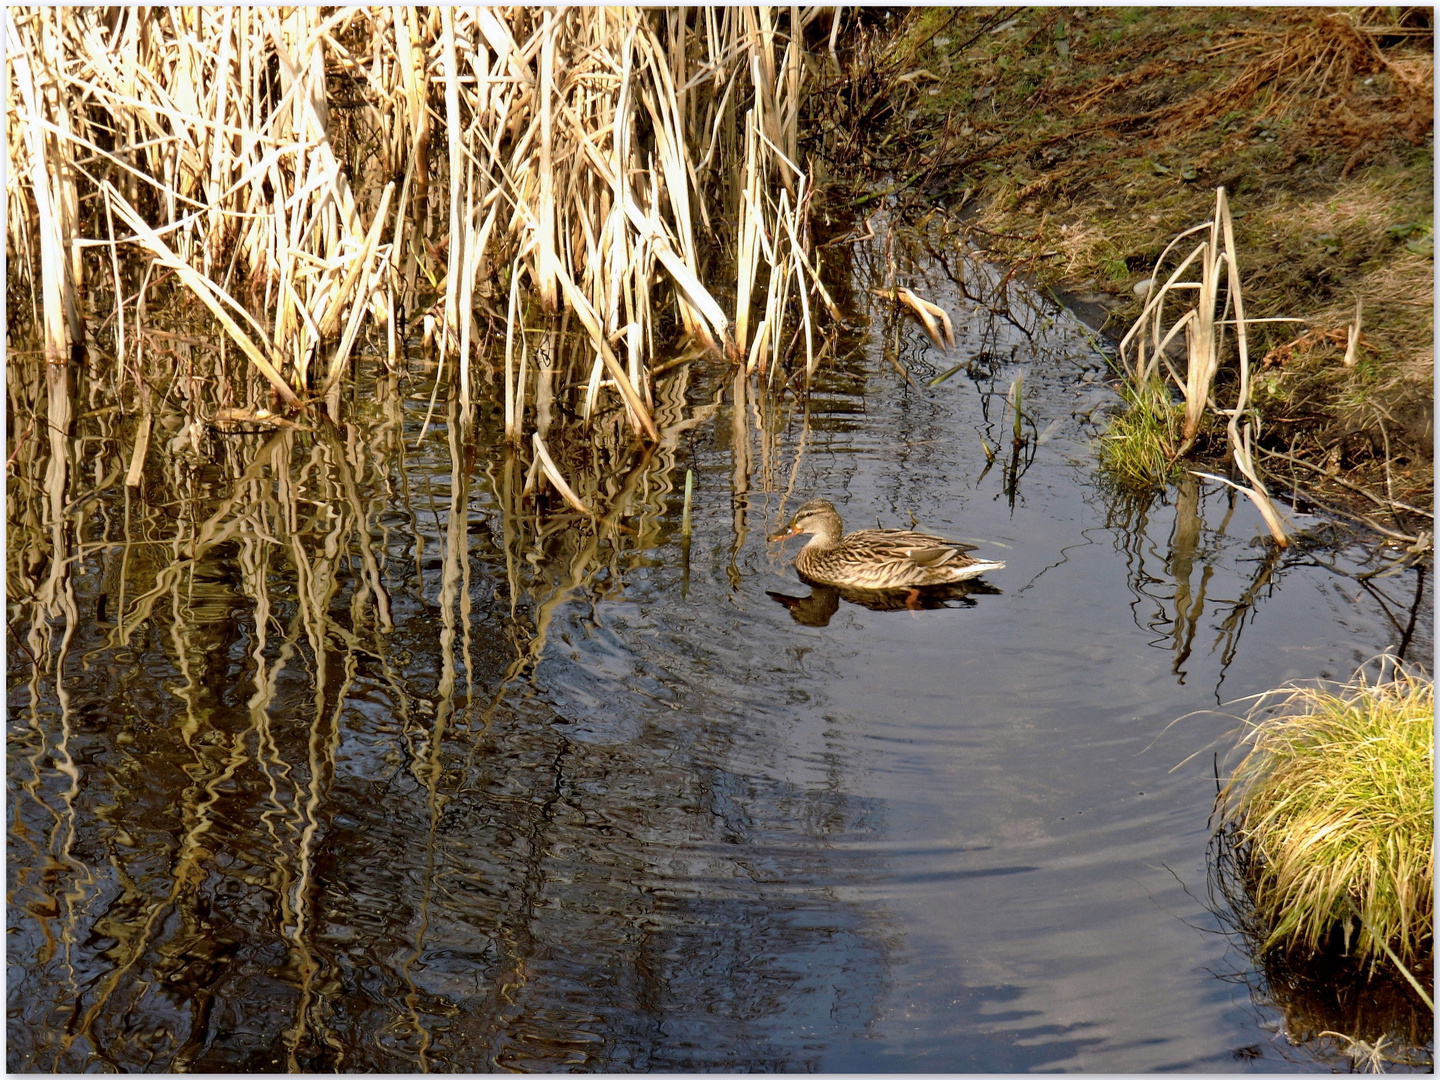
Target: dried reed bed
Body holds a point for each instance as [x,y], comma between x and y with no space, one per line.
[491,174]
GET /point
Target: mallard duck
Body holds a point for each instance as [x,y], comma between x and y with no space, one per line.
[877,558]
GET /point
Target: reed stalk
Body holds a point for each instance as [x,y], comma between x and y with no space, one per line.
[685,514]
[1017,393]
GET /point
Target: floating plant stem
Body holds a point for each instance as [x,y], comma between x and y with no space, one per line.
[1017,390]
[685,514]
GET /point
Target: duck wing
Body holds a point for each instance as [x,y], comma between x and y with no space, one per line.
[922,549]
[933,556]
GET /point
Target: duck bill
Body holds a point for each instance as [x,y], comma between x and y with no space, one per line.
[791,531]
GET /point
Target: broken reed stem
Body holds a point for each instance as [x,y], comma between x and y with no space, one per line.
[685,514]
[552,473]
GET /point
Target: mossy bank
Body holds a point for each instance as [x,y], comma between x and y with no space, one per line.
[1079,142]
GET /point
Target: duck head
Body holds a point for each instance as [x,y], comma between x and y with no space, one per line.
[817,517]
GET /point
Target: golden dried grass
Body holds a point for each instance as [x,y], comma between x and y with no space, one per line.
[1316,57]
[1334,804]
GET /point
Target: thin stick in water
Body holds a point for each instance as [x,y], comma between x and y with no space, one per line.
[685,514]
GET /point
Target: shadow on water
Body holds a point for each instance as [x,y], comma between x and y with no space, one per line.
[1340,1010]
[333,746]
[820,606]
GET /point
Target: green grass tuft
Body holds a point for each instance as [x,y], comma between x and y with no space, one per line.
[1334,808]
[1138,449]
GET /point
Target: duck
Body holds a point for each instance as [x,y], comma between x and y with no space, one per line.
[877,558]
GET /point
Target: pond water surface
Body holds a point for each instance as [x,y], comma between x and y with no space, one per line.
[342,756]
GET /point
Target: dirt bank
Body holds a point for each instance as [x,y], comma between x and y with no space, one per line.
[1082,141]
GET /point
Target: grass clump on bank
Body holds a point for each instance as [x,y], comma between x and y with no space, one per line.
[1138,451]
[1332,816]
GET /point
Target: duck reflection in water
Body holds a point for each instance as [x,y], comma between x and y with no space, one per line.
[824,600]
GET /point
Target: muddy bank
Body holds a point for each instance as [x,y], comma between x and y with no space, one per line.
[1080,143]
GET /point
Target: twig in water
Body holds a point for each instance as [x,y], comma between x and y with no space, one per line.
[19,443]
[1376,499]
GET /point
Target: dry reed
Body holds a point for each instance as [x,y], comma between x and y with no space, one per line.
[312,174]
[1218,305]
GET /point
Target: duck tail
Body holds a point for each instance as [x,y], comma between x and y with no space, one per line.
[978,567]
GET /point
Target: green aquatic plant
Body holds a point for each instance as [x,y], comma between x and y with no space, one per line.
[1332,811]
[1138,450]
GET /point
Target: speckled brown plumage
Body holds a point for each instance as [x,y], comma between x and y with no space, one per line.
[877,558]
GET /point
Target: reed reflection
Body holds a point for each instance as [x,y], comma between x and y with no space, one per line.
[1170,598]
[297,797]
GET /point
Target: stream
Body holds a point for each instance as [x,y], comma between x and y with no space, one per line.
[329,751]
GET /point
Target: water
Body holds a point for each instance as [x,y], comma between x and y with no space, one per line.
[363,764]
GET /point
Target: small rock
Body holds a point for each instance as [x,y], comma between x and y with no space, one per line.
[1142,287]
